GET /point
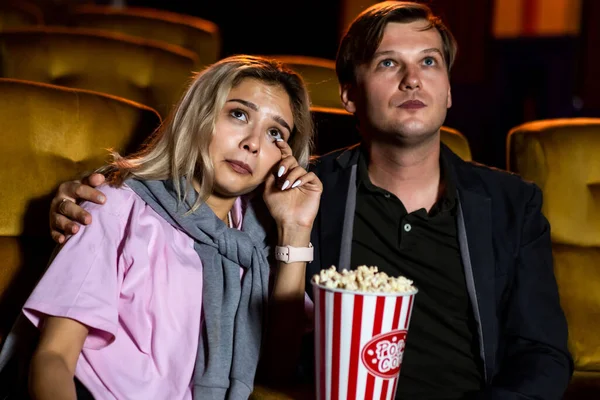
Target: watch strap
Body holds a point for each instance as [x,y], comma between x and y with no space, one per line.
[290,254]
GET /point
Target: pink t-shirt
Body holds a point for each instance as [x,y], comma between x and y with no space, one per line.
[136,282]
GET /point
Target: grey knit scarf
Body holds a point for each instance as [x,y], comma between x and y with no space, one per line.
[234,311]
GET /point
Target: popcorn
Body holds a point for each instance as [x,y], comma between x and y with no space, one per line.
[363,279]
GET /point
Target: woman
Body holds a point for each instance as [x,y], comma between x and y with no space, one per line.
[164,296]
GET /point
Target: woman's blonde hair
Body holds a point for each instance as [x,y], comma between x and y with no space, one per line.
[179,147]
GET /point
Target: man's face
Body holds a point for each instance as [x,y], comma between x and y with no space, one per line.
[403,93]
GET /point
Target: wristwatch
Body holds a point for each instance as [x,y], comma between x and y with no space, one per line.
[289,254]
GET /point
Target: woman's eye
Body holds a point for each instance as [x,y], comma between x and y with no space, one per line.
[238,114]
[387,63]
[275,134]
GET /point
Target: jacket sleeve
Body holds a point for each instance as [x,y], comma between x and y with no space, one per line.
[315,238]
[536,363]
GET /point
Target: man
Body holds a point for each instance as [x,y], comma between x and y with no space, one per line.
[487,321]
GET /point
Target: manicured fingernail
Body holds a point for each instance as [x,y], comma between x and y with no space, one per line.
[101,198]
[281,171]
[285,185]
[279,140]
[296,184]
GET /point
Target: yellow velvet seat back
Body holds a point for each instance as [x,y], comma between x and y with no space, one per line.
[319,76]
[14,14]
[336,128]
[49,135]
[144,71]
[457,142]
[563,158]
[192,33]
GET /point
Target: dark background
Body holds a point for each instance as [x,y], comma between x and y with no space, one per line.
[496,84]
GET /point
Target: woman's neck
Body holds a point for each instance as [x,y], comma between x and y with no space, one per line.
[220,205]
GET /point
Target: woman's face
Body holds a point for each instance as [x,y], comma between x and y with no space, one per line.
[243,149]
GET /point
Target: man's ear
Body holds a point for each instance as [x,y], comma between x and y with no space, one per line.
[347,95]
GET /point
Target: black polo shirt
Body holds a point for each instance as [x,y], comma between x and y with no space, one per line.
[441,359]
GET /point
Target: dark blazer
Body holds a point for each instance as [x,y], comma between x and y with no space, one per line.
[507,256]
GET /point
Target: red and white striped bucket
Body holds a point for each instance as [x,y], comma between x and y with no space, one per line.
[359,342]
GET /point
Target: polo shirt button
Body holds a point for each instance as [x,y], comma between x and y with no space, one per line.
[387,195]
[407,227]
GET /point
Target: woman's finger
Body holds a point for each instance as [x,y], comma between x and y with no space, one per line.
[285,165]
[292,178]
[286,150]
[308,180]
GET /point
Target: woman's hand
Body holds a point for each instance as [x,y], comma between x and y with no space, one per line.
[65,213]
[292,194]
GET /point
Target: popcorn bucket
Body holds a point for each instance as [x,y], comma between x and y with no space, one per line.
[359,342]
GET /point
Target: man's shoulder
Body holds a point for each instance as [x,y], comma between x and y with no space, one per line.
[332,161]
[498,183]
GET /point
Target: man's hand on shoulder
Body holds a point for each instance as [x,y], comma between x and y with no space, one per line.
[66,214]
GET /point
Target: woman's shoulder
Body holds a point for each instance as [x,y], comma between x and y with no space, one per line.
[120,200]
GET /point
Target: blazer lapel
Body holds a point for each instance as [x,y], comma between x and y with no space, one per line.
[332,209]
[475,239]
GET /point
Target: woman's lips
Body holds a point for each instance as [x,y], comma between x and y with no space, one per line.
[239,167]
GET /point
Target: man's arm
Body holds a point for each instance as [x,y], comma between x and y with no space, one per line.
[536,363]
[53,363]
[65,213]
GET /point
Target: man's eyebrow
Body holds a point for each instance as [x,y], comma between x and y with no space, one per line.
[383,53]
[433,50]
[390,52]
[254,107]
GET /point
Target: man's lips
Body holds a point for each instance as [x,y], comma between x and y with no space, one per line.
[239,167]
[412,104]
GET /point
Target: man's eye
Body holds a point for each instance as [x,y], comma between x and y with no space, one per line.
[429,61]
[387,63]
